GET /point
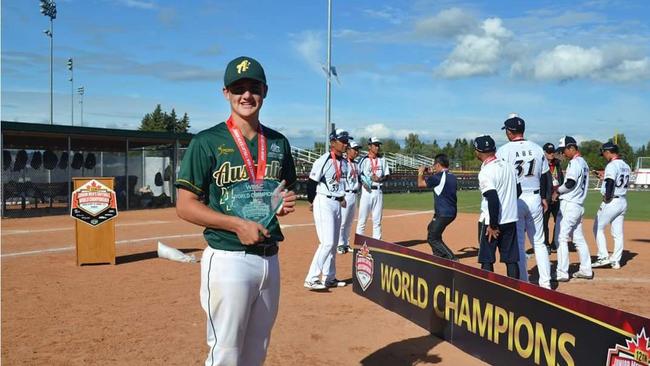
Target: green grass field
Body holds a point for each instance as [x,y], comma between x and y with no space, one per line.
[638,203]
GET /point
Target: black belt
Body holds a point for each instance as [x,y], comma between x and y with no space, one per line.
[351,190]
[533,192]
[618,197]
[336,198]
[262,250]
[375,187]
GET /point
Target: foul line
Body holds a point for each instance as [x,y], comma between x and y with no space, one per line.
[129,241]
[22,232]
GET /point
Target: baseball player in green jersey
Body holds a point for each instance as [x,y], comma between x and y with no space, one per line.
[240,274]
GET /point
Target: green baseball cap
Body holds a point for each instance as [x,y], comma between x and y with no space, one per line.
[243,67]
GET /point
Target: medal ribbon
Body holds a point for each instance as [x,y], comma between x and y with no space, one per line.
[352,168]
[374,165]
[246,154]
[337,166]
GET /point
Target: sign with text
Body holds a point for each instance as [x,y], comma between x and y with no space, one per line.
[93,203]
[494,318]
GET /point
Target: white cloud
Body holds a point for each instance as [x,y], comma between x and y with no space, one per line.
[448,23]
[476,54]
[630,70]
[388,13]
[140,4]
[567,62]
[309,46]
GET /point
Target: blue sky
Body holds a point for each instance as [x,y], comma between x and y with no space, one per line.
[441,69]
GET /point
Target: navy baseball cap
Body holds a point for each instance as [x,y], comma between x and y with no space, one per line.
[549,148]
[609,146]
[484,144]
[374,141]
[340,134]
[565,142]
[243,67]
[514,123]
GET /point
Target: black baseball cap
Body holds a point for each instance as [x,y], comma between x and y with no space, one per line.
[514,124]
[243,67]
[609,146]
[565,142]
[549,148]
[484,144]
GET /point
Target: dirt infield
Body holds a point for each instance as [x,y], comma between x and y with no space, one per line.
[145,310]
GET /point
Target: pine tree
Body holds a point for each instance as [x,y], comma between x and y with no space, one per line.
[183,124]
[171,121]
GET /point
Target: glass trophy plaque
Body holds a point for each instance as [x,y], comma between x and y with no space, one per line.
[257,202]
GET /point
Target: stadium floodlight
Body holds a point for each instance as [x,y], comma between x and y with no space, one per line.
[48,9]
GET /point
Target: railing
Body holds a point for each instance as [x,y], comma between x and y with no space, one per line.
[396,162]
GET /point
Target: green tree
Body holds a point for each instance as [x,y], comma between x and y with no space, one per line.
[183,124]
[154,121]
[590,151]
[171,121]
[624,148]
[390,146]
[158,120]
[413,145]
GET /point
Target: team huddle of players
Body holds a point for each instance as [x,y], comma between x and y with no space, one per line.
[521,183]
[334,181]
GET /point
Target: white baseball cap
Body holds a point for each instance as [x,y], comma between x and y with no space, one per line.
[374,140]
[353,144]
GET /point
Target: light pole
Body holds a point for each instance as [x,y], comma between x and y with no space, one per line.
[48,8]
[328,98]
[70,67]
[80,91]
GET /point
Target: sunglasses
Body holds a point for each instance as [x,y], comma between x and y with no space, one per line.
[257,89]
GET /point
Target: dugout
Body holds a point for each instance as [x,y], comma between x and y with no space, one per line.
[39,161]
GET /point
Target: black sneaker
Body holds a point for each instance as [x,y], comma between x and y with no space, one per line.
[335,283]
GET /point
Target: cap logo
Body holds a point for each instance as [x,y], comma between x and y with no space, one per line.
[243,66]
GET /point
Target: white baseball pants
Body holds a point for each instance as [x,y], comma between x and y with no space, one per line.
[371,202]
[569,225]
[240,294]
[347,215]
[531,222]
[327,219]
[614,213]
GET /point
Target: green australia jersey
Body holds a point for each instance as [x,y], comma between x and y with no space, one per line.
[213,163]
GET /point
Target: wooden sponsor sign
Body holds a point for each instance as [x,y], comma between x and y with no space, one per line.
[495,318]
[93,205]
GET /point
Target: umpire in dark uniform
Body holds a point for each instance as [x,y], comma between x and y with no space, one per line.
[444,191]
[554,206]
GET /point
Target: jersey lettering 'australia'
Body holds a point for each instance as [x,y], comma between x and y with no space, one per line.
[577,170]
[212,165]
[500,176]
[323,171]
[380,168]
[529,162]
[618,171]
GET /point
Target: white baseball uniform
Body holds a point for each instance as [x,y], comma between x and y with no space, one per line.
[331,175]
[372,200]
[614,211]
[530,163]
[497,175]
[352,187]
[569,221]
